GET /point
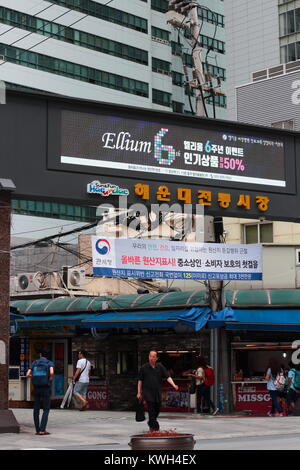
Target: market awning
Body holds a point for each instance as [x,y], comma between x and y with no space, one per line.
[52,320]
[258,319]
[194,318]
[168,300]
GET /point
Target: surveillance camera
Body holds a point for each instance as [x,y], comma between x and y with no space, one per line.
[262,218]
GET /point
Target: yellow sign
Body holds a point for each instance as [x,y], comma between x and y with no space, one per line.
[204,197]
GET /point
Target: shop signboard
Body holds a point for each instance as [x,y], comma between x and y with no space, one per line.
[24,356]
[165,259]
[252,397]
[149,146]
[92,152]
[97,396]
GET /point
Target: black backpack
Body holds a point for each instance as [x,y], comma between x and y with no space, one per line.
[40,374]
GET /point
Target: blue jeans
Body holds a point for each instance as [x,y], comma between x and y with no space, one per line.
[275,402]
[42,397]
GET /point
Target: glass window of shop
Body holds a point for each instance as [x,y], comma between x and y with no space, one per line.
[98,365]
[176,362]
[250,361]
[57,352]
[126,363]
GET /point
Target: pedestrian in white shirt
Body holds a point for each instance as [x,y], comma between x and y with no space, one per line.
[82,379]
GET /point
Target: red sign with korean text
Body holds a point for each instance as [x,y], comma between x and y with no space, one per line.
[253,397]
[97,396]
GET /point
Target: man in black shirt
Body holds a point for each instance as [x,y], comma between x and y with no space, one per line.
[150,380]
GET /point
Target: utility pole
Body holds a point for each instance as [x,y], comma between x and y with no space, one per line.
[181,14]
[198,67]
[186,12]
[8,422]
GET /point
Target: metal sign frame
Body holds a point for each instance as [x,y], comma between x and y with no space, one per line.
[31,150]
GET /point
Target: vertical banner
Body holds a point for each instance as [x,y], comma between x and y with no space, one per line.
[24,356]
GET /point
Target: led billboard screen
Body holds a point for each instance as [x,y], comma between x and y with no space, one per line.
[89,153]
[133,145]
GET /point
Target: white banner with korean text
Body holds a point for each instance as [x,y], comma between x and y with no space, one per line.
[161,259]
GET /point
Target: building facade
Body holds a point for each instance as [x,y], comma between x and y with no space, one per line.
[252,42]
[273,98]
[111,51]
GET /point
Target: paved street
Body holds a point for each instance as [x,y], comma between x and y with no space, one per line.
[111,430]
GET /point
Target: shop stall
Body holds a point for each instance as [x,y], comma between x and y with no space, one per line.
[249,366]
[178,363]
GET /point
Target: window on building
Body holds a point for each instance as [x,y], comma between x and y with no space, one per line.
[211,17]
[99,365]
[290,53]
[288,124]
[258,233]
[80,38]
[160,34]
[106,13]
[297,19]
[177,107]
[161,97]
[161,66]
[188,60]
[126,363]
[219,100]
[176,48]
[54,210]
[290,22]
[177,78]
[72,70]
[159,5]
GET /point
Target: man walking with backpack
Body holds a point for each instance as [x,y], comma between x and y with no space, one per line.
[41,372]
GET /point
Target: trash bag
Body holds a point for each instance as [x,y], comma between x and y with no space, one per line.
[139,410]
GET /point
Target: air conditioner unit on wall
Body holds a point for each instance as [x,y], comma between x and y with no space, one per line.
[73,278]
[32,282]
[28,282]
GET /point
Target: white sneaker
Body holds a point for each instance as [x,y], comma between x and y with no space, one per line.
[216,411]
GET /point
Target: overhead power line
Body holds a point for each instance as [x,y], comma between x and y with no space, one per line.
[51,237]
[51,36]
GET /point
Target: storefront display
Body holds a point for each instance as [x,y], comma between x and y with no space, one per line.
[249,366]
[178,363]
[176,401]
